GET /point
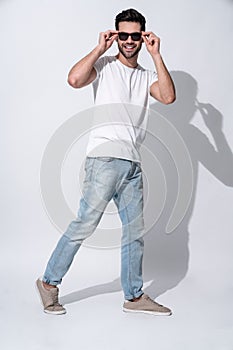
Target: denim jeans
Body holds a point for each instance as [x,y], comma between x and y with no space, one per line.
[106,178]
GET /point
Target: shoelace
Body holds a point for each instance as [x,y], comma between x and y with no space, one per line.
[151,300]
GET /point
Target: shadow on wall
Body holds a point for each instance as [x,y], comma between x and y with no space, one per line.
[166,257]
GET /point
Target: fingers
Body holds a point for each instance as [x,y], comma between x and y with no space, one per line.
[110,35]
[148,34]
[106,39]
[150,38]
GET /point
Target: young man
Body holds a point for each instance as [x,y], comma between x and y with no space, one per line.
[113,161]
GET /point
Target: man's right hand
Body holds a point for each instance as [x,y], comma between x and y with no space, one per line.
[83,72]
[106,39]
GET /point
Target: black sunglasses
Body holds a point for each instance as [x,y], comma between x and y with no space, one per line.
[134,36]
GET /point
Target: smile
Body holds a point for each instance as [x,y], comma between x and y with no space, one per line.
[129,47]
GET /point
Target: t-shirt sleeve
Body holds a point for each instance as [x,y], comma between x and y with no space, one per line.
[99,64]
[153,77]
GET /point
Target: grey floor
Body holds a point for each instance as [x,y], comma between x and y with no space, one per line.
[200,297]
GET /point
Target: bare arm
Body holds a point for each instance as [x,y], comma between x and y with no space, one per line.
[162,90]
[83,72]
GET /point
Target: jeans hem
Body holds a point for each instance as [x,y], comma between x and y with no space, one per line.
[48,281]
[137,295]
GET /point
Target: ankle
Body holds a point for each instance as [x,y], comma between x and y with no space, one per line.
[136,299]
[48,286]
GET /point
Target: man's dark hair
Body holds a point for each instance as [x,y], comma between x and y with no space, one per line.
[130,15]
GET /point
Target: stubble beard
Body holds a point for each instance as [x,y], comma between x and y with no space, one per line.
[130,54]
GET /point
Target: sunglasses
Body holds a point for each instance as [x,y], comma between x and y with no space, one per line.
[134,36]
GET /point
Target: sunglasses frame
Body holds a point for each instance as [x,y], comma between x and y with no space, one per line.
[132,35]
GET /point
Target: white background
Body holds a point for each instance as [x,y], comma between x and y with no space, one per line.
[189,270]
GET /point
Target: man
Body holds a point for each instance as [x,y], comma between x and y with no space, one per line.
[113,161]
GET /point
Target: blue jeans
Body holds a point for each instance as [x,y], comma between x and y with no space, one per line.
[106,178]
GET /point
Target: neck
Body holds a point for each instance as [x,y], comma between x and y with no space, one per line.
[129,62]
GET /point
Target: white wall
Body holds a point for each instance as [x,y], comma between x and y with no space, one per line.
[40,41]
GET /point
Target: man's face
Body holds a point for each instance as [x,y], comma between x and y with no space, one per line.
[129,48]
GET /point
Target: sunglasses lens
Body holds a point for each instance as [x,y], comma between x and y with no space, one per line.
[123,36]
[136,36]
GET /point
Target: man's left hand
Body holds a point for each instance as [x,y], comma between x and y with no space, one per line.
[152,42]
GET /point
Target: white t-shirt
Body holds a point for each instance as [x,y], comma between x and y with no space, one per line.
[121,96]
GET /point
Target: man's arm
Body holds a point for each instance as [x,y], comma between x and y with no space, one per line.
[162,90]
[83,72]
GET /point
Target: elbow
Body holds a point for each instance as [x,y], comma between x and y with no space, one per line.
[73,81]
[169,99]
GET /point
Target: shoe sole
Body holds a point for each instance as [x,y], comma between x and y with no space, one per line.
[55,312]
[169,313]
[46,311]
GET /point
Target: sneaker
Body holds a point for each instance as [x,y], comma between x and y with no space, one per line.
[49,299]
[146,305]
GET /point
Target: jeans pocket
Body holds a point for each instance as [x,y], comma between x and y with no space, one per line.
[105,159]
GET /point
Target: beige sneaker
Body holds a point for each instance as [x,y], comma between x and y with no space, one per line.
[146,305]
[49,299]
